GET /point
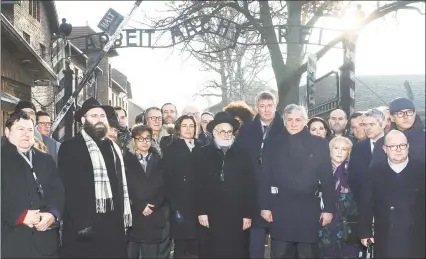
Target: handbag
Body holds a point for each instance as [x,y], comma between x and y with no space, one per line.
[350,223]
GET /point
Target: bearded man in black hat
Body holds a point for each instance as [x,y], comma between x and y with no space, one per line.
[225,193]
[97,209]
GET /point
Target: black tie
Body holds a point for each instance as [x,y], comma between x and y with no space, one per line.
[265,128]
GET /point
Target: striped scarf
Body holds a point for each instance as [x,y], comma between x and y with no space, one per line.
[103,191]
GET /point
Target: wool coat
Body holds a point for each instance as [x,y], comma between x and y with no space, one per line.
[293,167]
[178,164]
[19,194]
[107,237]
[145,187]
[225,201]
[397,203]
[250,140]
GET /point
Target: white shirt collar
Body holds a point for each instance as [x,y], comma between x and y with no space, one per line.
[397,168]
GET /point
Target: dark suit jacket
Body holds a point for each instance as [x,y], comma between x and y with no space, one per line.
[358,165]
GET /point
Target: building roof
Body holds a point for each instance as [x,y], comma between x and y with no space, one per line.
[79,32]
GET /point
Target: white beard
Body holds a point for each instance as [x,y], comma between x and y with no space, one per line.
[224,143]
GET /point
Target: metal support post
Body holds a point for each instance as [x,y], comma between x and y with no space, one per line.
[347,77]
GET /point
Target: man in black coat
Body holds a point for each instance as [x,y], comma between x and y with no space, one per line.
[294,165]
[97,208]
[253,138]
[394,195]
[404,117]
[32,194]
[374,123]
[225,193]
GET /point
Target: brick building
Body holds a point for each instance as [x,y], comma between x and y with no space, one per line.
[27,28]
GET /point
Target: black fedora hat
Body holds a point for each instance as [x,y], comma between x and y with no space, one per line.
[90,104]
[223,117]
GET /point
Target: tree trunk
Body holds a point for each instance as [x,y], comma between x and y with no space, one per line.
[289,89]
[268,35]
[223,80]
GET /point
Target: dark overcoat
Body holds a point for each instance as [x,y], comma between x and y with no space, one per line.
[397,203]
[293,167]
[145,187]
[358,166]
[225,202]
[178,163]
[18,194]
[250,139]
[108,237]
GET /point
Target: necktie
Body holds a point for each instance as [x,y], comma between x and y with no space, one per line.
[265,128]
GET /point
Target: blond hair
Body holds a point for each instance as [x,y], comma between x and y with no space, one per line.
[336,139]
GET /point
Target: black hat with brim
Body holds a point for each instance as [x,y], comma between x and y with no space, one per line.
[223,117]
[90,104]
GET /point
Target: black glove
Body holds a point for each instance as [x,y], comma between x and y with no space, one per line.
[85,234]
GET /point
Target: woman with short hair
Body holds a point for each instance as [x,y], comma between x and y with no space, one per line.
[339,239]
[145,183]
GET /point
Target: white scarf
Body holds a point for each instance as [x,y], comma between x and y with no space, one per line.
[103,191]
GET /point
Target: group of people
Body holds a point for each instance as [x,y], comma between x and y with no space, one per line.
[203,185]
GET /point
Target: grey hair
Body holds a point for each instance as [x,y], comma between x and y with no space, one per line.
[294,107]
[265,95]
[375,113]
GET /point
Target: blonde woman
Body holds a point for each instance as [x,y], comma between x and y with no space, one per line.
[338,239]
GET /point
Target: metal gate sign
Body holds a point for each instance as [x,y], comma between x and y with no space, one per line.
[110,21]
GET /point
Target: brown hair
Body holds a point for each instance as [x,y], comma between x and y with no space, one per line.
[241,110]
[326,127]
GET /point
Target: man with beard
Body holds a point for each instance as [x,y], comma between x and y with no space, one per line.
[169,113]
[337,122]
[97,208]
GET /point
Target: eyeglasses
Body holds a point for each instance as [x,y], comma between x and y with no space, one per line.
[153,118]
[225,133]
[407,113]
[395,147]
[96,116]
[45,123]
[141,140]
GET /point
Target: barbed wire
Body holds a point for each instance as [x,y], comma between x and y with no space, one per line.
[378,96]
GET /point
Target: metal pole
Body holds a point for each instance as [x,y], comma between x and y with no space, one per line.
[347,78]
[89,79]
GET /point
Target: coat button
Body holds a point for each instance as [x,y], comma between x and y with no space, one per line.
[392,208]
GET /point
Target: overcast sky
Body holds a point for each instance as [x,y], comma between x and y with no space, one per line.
[160,75]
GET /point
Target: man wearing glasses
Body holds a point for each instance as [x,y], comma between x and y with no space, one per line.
[404,118]
[394,195]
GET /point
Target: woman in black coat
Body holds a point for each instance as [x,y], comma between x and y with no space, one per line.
[178,162]
[145,182]
[225,193]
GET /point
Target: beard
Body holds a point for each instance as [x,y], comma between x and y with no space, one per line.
[96,133]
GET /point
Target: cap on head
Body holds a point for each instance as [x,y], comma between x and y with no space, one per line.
[400,104]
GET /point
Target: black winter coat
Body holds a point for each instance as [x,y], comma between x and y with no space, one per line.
[145,187]
[397,203]
[225,202]
[18,194]
[295,164]
[250,140]
[107,239]
[178,163]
